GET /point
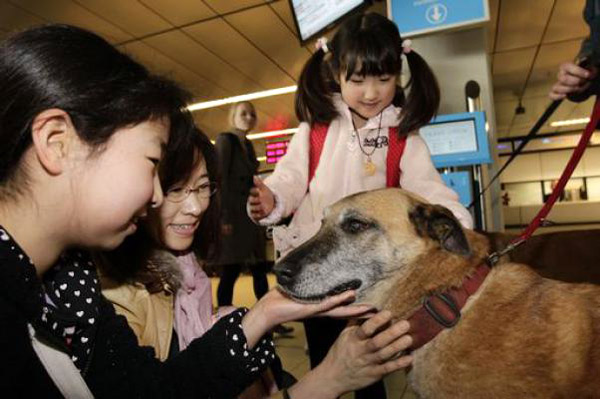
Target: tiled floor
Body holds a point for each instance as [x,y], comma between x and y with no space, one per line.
[291,348]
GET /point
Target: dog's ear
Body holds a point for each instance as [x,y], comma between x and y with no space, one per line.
[438,223]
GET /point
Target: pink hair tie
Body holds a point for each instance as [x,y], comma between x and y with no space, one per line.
[321,44]
[406,46]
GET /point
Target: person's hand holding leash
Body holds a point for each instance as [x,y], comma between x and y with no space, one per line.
[360,356]
[572,79]
[262,200]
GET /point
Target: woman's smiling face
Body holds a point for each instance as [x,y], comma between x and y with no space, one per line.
[174,224]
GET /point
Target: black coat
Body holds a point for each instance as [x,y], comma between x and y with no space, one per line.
[118,367]
[238,165]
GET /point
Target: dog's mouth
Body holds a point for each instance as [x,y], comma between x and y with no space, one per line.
[347,286]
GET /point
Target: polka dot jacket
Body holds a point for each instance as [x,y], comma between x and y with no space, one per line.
[66,308]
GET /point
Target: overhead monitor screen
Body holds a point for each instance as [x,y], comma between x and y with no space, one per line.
[312,16]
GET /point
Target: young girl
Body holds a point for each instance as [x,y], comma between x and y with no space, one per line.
[83,128]
[359,132]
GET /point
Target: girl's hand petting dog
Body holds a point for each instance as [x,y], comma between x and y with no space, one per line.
[261,200]
[362,355]
[275,308]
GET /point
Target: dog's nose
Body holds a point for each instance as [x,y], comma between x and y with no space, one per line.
[284,274]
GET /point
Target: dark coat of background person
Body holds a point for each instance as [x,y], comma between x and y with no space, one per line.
[569,256]
[238,163]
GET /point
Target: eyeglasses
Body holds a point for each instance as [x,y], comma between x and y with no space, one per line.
[204,190]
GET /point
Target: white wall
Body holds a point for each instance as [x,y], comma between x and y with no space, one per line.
[456,58]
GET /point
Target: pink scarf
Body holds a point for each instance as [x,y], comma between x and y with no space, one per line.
[193,301]
[193,317]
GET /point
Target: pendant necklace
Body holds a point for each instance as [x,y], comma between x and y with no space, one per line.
[369,167]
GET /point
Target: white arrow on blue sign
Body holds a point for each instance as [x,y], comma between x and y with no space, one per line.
[415,17]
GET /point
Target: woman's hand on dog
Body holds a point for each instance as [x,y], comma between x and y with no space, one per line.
[362,355]
[275,308]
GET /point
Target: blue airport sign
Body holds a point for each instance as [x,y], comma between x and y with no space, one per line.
[416,17]
[460,182]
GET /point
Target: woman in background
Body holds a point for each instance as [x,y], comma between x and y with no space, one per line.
[243,241]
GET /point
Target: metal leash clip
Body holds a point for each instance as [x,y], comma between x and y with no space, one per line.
[495,257]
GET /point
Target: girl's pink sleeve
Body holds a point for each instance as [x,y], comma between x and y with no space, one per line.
[289,180]
[419,175]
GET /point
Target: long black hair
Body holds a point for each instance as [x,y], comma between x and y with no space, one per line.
[366,45]
[61,66]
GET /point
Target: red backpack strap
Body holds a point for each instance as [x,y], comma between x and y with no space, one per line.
[395,150]
[318,132]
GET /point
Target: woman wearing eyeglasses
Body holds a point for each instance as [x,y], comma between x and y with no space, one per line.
[155,279]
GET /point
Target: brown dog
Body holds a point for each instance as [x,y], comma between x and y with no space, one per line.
[518,336]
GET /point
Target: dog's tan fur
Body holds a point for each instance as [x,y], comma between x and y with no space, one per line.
[520,335]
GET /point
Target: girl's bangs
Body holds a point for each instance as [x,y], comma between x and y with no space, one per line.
[369,57]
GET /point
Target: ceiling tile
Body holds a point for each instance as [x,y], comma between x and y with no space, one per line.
[212,121]
[567,21]
[578,110]
[534,108]
[553,54]
[229,45]
[282,8]
[185,12]
[13,18]
[504,95]
[262,26]
[277,107]
[505,111]
[182,48]
[539,89]
[131,16]
[510,69]
[517,28]
[225,6]
[563,112]
[67,12]
[160,63]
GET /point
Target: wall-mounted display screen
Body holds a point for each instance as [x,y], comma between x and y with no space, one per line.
[450,137]
[457,139]
[313,16]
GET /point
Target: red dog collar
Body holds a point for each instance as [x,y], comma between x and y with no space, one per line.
[442,310]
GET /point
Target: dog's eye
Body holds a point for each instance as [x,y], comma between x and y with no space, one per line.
[355,226]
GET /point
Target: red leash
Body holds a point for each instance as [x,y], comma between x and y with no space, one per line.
[564,178]
[443,310]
